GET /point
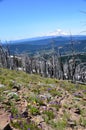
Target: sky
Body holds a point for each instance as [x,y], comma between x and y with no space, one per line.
[21,19]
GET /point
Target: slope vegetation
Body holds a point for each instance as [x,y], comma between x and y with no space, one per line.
[30,102]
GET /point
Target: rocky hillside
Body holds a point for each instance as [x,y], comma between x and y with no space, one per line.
[30,102]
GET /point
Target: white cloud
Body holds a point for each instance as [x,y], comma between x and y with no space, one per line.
[57,32]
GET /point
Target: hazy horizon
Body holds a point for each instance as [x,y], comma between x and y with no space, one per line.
[22,19]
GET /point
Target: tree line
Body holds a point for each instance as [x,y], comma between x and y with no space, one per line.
[53,66]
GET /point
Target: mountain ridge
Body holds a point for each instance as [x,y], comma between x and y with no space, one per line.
[46,37]
[39,44]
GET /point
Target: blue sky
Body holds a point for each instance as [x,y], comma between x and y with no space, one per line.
[21,19]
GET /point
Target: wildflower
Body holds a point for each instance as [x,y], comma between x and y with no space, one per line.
[29,104]
[40,125]
[34,102]
[28,129]
[17,115]
[84,91]
[49,89]
[11,118]
[21,124]
[25,114]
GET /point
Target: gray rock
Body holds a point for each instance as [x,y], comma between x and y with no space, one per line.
[2,85]
[12,95]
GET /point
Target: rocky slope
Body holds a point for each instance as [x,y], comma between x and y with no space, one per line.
[30,102]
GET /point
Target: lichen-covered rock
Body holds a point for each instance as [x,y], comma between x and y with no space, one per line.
[12,94]
[2,85]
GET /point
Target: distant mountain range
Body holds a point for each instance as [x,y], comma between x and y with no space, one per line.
[38,44]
